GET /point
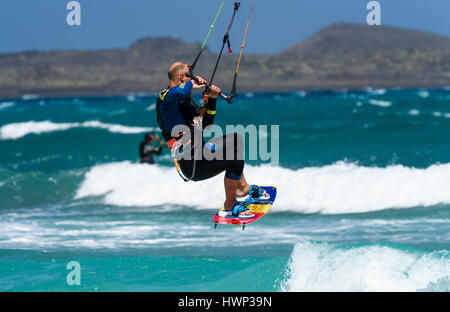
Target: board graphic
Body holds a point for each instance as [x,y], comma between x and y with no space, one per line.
[258,207]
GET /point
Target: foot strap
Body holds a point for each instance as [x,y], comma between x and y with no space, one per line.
[238,208]
[256,191]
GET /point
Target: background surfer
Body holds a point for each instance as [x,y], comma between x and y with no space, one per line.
[147,150]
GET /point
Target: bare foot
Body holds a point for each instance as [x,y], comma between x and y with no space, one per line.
[243,191]
[228,206]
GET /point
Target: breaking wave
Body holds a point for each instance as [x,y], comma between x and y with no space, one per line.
[18,130]
[335,189]
[4,105]
[373,267]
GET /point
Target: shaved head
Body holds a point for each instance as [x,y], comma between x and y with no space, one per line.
[175,69]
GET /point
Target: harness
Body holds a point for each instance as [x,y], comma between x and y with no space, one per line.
[177,147]
[174,145]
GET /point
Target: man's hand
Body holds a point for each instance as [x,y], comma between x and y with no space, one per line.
[214,91]
[198,82]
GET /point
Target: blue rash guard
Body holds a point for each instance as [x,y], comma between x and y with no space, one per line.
[175,107]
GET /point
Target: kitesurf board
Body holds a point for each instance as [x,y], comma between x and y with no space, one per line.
[258,207]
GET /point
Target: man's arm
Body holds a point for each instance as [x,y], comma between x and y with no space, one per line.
[158,150]
[210,112]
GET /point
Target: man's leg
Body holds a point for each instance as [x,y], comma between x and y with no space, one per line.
[243,187]
[235,183]
[231,186]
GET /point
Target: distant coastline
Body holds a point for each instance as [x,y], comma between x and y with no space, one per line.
[301,93]
[339,57]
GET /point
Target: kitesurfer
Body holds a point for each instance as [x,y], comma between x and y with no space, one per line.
[147,149]
[175,107]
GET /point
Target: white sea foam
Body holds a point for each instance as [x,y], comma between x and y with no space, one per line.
[115,128]
[329,267]
[424,94]
[334,189]
[301,93]
[29,97]
[380,103]
[151,107]
[4,105]
[375,91]
[414,112]
[26,234]
[20,129]
[131,98]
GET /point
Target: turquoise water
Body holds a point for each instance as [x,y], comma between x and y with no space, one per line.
[363,204]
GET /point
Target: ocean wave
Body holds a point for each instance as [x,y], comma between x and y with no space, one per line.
[151,107]
[333,267]
[372,91]
[335,189]
[18,130]
[32,234]
[131,98]
[4,105]
[380,103]
[424,93]
[30,97]
[414,112]
[441,114]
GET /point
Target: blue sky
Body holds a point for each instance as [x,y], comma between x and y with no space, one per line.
[276,24]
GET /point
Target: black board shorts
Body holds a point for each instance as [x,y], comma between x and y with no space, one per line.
[218,155]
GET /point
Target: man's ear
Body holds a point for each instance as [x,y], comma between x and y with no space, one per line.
[182,78]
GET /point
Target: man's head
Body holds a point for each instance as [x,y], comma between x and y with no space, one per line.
[177,73]
[149,137]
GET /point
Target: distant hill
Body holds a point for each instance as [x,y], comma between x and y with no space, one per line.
[346,55]
[339,56]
